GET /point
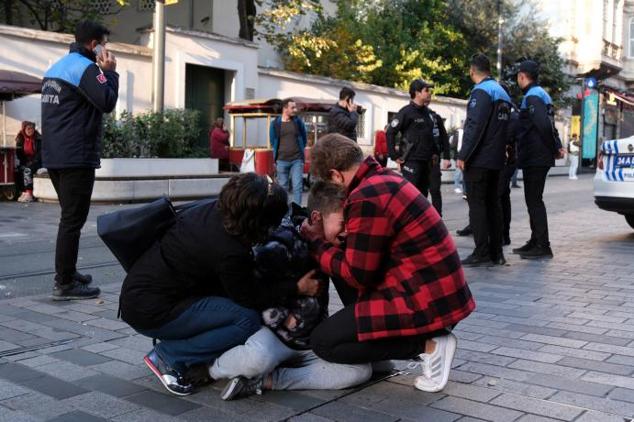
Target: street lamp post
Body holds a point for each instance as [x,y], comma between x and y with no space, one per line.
[158,56]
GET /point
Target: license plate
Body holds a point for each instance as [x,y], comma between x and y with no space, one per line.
[625,161]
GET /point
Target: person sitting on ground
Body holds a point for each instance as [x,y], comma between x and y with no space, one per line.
[195,290]
[28,151]
[284,339]
[399,266]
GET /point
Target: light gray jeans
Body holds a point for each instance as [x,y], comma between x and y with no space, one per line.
[263,352]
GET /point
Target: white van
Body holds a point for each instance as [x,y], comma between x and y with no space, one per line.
[614,179]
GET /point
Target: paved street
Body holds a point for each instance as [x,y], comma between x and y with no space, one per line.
[550,340]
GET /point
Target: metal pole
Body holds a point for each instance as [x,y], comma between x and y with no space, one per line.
[500,21]
[158,56]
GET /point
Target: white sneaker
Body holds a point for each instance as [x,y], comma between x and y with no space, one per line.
[436,366]
[22,197]
[573,178]
[458,190]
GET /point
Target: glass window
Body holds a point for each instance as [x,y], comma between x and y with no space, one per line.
[631,38]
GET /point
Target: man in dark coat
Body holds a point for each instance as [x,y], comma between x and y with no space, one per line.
[344,116]
[76,92]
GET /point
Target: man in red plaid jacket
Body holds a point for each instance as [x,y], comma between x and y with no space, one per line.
[398,271]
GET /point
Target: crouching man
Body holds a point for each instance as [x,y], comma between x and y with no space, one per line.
[406,287]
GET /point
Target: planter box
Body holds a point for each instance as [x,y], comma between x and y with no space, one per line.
[144,179]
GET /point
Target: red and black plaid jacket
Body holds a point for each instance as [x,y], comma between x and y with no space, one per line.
[400,257]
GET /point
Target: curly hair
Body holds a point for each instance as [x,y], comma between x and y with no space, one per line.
[333,152]
[251,206]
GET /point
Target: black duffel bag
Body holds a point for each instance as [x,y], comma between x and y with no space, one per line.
[129,233]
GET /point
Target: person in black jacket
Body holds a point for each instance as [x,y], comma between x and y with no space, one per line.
[344,116]
[441,141]
[423,139]
[76,91]
[28,144]
[195,289]
[481,157]
[538,145]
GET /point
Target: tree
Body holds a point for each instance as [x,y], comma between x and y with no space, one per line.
[53,15]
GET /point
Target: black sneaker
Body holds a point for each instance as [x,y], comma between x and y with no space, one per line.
[538,252]
[84,279]
[477,261]
[171,379]
[529,245]
[465,232]
[74,291]
[241,387]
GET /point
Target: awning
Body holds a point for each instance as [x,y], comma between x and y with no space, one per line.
[16,84]
[624,98]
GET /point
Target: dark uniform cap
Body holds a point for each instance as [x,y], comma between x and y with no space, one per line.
[530,67]
[419,85]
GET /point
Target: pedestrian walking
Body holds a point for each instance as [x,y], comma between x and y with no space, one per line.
[76,91]
[421,137]
[343,117]
[538,146]
[573,155]
[288,139]
[28,150]
[219,144]
[482,157]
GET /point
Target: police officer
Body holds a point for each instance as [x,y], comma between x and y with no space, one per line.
[77,90]
[482,158]
[538,147]
[416,124]
[441,144]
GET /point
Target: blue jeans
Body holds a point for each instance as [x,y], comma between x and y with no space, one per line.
[203,332]
[294,169]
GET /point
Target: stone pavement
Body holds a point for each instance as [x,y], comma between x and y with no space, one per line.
[550,340]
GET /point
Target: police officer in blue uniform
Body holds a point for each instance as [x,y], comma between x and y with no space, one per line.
[482,157]
[538,146]
[76,91]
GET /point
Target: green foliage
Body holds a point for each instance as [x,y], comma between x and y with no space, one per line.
[392,42]
[171,134]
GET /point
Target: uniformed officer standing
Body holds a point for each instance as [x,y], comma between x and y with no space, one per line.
[538,147]
[482,157]
[416,124]
[441,143]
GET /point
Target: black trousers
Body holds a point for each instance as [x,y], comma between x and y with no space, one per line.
[534,182]
[74,189]
[335,339]
[435,181]
[504,190]
[485,214]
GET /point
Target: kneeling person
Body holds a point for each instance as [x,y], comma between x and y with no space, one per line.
[285,338]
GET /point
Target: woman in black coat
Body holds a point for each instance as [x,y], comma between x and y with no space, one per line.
[195,290]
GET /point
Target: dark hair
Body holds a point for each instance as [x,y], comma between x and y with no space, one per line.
[481,63]
[415,86]
[325,197]
[346,93]
[334,151]
[251,206]
[285,102]
[86,31]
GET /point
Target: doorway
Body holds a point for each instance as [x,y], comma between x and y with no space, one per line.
[205,92]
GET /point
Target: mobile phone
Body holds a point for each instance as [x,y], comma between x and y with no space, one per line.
[98,50]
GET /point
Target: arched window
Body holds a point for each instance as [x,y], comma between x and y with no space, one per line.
[631,38]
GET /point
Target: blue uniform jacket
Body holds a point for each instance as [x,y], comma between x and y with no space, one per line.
[486,128]
[75,95]
[276,129]
[537,138]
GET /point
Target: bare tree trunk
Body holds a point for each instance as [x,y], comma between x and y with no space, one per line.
[8,12]
[246,16]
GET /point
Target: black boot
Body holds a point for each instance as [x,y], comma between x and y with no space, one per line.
[476,261]
[537,252]
[528,246]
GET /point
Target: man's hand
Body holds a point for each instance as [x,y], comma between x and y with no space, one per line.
[460,164]
[308,285]
[352,106]
[312,231]
[561,153]
[107,61]
[446,164]
[399,161]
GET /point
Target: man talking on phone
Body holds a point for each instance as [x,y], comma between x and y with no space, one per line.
[76,91]
[344,116]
